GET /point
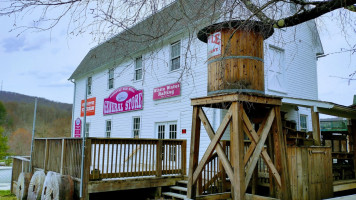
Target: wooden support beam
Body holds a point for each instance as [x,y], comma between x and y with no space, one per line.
[46,157]
[194,152]
[237,149]
[316,127]
[259,147]
[219,149]
[212,145]
[353,135]
[159,158]
[284,192]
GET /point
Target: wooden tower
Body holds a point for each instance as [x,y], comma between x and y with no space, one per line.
[236,83]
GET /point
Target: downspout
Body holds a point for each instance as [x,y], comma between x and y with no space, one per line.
[73,107]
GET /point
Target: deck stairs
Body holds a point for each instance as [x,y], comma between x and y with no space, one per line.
[179,191]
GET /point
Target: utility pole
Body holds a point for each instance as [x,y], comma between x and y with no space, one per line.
[83,144]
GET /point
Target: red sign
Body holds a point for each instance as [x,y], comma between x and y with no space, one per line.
[78,127]
[90,107]
[214,44]
[123,99]
[166,91]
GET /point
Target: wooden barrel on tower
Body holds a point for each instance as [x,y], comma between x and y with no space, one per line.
[235,56]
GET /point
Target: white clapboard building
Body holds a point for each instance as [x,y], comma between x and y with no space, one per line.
[140,85]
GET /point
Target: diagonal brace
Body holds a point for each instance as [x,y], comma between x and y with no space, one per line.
[251,133]
[259,147]
[212,145]
[220,151]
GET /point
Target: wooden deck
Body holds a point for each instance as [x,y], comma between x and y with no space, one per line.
[111,164]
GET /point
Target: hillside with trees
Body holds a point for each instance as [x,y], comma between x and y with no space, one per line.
[53,119]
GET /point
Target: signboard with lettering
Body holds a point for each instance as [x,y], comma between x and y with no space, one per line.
[77,127]
[123,99]
[166,91]
[90,107]
[214,44]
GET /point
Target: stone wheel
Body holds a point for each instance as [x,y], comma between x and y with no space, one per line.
[36,185]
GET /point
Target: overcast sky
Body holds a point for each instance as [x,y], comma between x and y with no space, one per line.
[39,63]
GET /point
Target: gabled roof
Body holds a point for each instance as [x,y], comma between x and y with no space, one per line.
[170,20]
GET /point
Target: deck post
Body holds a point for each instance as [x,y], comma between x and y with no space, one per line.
[46,157]
[194,152]
[86,168]
[184,157]
[222,170]
[159,158]
[237,152]
[63,154]
[316,127]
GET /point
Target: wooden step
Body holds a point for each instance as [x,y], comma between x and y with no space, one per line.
[179,188]
[183,182]
[175,195]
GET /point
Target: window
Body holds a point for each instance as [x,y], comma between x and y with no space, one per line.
[111,78]
[303,123]
[175,56]
[108,128]
[138,68]
[276,69]
[87,129]
[89,85]
[136,127]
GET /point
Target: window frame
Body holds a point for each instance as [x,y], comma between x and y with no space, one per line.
[90,82]
[135,128]
[108,132]
[174,57]
[87,129]
[111,79]
[280,73]
[137,69]
[302,123]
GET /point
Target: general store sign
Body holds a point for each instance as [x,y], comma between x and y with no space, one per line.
[123,99]
[214,44]
[90,107]
[166,91]
[78,127]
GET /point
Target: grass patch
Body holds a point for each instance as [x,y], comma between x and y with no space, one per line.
[6,195]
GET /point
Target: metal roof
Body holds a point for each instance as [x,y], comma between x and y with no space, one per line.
[151,31]
[324,107]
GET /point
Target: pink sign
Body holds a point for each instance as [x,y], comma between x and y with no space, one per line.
[78,127]
[166,91]
[123,99]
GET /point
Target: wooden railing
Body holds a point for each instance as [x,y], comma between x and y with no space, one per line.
[110,157]
[19,164]
[213,177]
[116,158]
[62,155]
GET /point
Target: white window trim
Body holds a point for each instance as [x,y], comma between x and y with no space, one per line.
[306,122]
[87,126]
[138,80]
[166,124]
[171,58]
[106,135]
[113,79]
[140,126]
[90,91]
[282,90]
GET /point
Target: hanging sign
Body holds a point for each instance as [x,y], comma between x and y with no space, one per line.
[166,91]
[90,107]
[123,99]
[78,127]
[214,44]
